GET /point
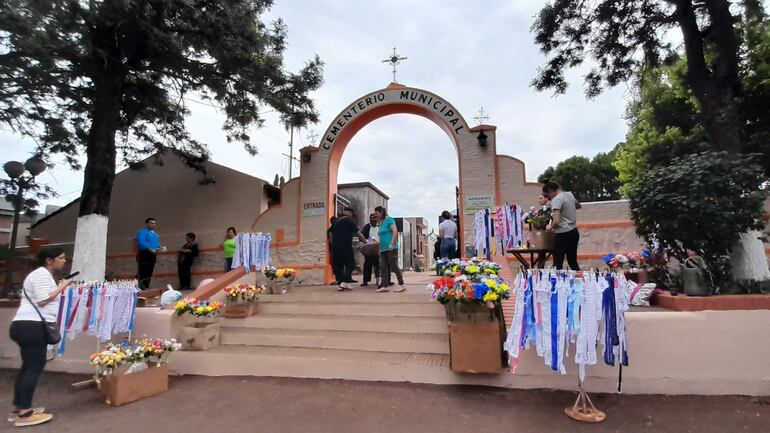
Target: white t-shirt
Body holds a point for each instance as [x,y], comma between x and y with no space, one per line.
[38,285]
[450,229]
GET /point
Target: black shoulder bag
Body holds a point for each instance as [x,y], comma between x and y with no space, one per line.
[52,335]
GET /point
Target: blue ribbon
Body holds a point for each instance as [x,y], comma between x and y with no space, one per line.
[134,297]
[486,232]
[529,312]
[611,338]
[554,325]
[94,303]
[66,319]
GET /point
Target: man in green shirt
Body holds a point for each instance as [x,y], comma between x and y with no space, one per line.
[388,233]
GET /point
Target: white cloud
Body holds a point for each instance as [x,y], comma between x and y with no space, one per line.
[471,53]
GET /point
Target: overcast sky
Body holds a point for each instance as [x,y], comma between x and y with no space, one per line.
[473,54]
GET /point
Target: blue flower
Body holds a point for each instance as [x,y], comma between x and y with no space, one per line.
[608,258]
[646,253]
[479,290]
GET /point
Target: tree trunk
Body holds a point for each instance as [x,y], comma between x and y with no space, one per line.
[748,259]
[715,84]
[90,254]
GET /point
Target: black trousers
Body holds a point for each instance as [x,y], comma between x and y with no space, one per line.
[371,264]
[566,244]
[145,266]
[30,336]
[388,264]
[343,265]
[185,274]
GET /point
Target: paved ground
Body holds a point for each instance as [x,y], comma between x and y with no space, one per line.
[272,405]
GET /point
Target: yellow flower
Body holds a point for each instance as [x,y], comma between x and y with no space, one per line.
[490,296]
[472,269]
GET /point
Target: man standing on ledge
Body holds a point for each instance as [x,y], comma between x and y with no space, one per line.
[564,208]
[147,247]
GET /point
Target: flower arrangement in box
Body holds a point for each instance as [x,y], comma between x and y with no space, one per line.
[198,308]
[137,354]
[288,274]
[243,293]
[281,278]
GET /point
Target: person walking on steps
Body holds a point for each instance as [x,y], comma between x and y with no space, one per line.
[39,303]
[564,208]
[388,233]
[343,261]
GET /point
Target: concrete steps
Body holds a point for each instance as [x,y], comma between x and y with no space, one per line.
[349,309]
[314,295]
[227,360]
[365,323]
[346,340]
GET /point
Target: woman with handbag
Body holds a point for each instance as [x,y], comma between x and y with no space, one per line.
[33,328]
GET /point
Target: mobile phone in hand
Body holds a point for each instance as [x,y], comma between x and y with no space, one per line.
[72,275]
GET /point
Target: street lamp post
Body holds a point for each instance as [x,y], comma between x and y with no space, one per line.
[15,170]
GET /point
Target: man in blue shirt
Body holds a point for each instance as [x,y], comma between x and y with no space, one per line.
[388,233]
[147,248]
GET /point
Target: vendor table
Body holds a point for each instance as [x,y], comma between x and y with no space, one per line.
[520,254]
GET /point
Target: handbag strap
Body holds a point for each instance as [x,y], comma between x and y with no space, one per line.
[33,304]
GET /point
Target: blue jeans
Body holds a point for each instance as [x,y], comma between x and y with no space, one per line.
[228,264]
[448,248]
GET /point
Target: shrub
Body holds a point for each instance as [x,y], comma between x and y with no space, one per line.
[699,204]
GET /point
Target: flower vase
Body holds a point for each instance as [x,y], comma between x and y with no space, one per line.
[240,310]
[119,388]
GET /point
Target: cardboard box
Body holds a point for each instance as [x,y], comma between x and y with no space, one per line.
[203,336]
[241,311]
[475,313]
[121,388]
[475,347]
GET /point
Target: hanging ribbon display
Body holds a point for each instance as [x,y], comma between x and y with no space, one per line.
[99,309]
[556,309]
[252,250]
[498,227]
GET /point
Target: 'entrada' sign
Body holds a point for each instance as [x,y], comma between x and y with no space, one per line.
[428,100]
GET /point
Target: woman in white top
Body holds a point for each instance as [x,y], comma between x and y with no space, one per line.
[447,232]
[28,331]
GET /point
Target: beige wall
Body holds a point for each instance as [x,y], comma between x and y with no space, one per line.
[172,194]
[514,187]
[706,352]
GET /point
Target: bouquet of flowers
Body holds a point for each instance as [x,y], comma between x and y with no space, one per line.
[270,273]
[286,273]
[473,268]
[198,308]
[158,348]
[488,291]
[538,219]
[243,293]
[111,357]
[440,265]
[633,259]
